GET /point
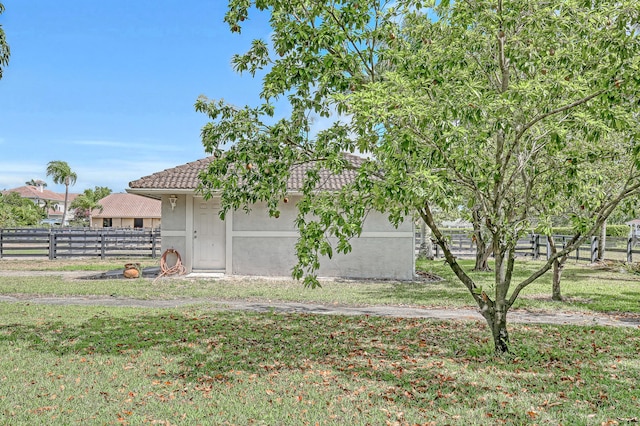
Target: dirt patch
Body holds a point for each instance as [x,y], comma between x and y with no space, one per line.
[461,314]
[428,276]
[44,264]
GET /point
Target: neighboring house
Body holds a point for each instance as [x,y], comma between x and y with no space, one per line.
[51,201]
[126,211]
[635,227]
[256,244]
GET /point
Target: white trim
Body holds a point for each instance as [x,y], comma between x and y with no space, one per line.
[188,238]
[266,234]
[228,235]
[167,233]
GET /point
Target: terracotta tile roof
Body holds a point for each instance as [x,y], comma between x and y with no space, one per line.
[186,176]
[127,205]
[35,193]
[180,177]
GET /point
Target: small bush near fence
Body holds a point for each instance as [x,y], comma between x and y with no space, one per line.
[612,230]
[56,243]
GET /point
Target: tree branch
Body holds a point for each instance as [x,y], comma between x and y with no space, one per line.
[558,110]
[427,216]
[602,215]
[347,34]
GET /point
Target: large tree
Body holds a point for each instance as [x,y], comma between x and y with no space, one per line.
[476,99]
[89,200]
[4,47]
[18,211]
[61,173]
[598,172]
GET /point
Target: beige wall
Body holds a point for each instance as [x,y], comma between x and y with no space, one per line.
[117,222]
[174,226]
[257,244]
[262,245]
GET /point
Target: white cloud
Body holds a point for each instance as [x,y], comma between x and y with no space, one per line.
[14,174]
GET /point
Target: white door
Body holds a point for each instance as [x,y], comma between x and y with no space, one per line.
[208,235]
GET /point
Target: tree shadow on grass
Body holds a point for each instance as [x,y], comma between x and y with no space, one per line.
[215,345]
[407,361]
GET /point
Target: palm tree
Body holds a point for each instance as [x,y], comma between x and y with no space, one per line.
[90,200]
[36,182]
[62,173]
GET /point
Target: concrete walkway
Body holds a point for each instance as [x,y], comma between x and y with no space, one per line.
[515,316]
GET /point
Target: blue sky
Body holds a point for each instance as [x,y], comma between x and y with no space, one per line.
[109,87]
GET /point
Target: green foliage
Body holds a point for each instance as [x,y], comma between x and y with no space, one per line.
[612,230]
[36,182]
[88,201]
[502,107]
[61,173]
[17,211]
[5,52]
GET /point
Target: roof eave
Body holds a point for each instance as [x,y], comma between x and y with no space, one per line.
[157,193]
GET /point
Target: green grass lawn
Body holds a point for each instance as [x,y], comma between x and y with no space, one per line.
[586,288]
[196,365]
[93,365]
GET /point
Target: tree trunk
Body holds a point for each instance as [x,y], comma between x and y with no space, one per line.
[482,258]
[557,275]
[66,199]
[499,332]
[602,241]
[496,312]
[483,251]
[426,248]
[558,265]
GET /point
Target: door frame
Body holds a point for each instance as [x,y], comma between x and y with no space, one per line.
[190,228]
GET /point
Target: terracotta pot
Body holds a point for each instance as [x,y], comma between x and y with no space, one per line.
[131,270]
[131,273]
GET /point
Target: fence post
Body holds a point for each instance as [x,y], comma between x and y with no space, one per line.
[153,243]
[536,246]
[1,235]
[102,245]
[52,244]
[630,250]
[548,248]
[594,249]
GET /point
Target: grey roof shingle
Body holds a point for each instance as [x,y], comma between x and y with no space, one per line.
[186,176]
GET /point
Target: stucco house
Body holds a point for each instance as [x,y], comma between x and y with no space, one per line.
[256,244]
[126,211]
[634,228]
